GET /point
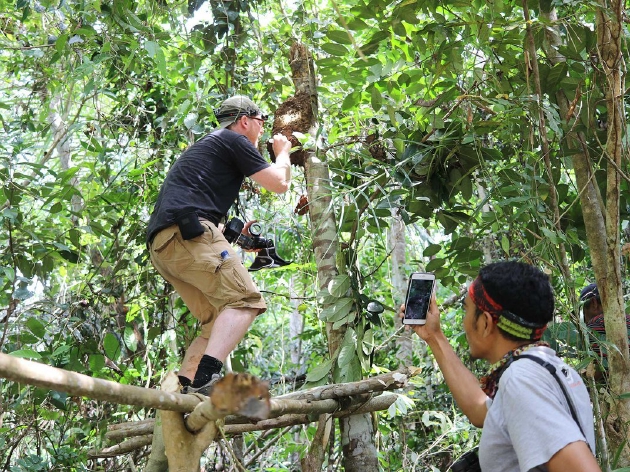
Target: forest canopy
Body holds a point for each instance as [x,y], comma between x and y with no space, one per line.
[461,132]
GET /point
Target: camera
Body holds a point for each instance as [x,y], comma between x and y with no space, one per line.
[267,257]
[232,233]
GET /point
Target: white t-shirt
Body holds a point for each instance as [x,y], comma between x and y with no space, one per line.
[529,419]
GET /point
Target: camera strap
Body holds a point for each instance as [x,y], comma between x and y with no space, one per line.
[553,371]
[238,209]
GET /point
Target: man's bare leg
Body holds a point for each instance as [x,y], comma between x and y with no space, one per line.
[229,329]
[193,355]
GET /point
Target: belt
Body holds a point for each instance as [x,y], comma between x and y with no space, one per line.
[152,235]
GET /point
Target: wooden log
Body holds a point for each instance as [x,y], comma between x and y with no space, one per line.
[123,448]
[117,426]
[378,403]
[389,381]
[130,430]
[75,384]
[281,405]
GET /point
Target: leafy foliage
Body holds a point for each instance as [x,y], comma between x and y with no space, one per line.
[427,110]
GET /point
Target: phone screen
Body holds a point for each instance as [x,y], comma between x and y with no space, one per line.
[418,299]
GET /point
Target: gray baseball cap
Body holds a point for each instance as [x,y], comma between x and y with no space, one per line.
[235,107]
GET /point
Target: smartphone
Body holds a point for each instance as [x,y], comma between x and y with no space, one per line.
[421,286]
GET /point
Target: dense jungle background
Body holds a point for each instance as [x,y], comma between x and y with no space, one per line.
[445,135]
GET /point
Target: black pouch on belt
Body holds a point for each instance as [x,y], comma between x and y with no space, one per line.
[189,226]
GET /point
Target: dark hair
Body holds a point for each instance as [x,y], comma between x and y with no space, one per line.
[521,289]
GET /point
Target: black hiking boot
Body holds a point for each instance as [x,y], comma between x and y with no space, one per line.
[205,389]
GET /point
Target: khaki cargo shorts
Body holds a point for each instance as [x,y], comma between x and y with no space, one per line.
[206,284]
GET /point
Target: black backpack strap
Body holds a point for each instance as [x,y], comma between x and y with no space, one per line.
[552,370]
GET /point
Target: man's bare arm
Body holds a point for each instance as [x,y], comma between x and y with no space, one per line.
[277,177]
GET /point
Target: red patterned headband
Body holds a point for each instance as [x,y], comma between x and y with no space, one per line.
[504,319]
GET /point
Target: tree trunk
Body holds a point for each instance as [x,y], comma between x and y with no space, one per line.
[158,461]
[296,327]
[609,21]
[356,431]
[601,218]
[398,246]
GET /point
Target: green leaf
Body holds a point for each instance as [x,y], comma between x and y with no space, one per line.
[339,285]
[130,339]
[69,256]
[320,371]
[344,320]
[376,98]
[190,120]
[97,362]
[550,235]
[36,327]
[59,399]
[85,30]
[61,42]
[348,348]
[351,101]
[157,54]
[9,273]
[111,346]
[335,49]
[134,21]
[60,351]
[505,244]
[431,250]
[340,37]
[556,74]
[357,24]
[56,208]
[161,62]
[368,341]
[337,311]
[350,372]
[26,354]
[435,264]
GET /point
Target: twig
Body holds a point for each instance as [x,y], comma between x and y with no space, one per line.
[267,446]
[228,446]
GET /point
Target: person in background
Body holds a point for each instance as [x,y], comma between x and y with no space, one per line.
[186,243]
[524,411]
[593,312]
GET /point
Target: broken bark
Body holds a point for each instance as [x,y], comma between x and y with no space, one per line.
[183,448]
[185,439]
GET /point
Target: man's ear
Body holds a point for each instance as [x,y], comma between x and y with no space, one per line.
[488,324]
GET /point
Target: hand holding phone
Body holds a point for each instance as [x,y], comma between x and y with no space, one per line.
[421,286]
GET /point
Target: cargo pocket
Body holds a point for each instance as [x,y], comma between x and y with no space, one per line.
[231,282]
[169,251]
[160,241]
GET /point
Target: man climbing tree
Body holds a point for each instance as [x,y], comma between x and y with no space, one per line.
[186,243]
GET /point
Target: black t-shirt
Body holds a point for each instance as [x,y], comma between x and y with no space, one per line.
[206,179]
